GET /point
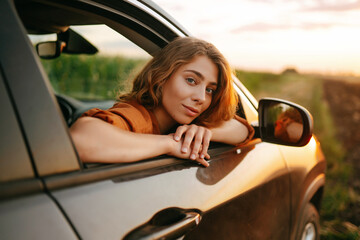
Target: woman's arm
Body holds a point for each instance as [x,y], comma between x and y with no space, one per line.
[98,141]
[101,142]
[231,132]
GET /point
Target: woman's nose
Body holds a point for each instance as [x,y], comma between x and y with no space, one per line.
[199,96]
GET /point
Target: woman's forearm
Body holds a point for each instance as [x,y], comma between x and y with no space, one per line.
[231,132]
[98,141]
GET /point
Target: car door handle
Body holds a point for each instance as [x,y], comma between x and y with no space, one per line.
[170,223]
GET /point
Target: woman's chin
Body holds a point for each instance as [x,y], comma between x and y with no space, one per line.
[185,121]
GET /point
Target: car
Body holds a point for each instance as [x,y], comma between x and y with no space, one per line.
[270,188]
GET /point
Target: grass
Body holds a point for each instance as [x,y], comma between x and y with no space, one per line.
[307,91]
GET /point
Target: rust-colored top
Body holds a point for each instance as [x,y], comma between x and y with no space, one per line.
[134,117]
[130,116]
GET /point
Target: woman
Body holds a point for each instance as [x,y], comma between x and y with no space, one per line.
[180,101]
[289,126]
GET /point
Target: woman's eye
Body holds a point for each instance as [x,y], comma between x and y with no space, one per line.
[190,80]
[210,90]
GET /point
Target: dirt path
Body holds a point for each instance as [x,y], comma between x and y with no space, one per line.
[344,101]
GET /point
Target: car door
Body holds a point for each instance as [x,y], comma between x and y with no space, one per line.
[243,194]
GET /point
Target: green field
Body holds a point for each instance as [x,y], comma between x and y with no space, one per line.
[91,77]
[98,78]
[307,90]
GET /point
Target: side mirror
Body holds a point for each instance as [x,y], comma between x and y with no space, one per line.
[284,122]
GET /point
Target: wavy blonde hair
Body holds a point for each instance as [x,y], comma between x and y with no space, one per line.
[148,84]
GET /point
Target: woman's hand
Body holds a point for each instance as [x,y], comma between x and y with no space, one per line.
[194,142]
[176,151]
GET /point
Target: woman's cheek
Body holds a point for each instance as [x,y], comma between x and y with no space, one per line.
[208,103]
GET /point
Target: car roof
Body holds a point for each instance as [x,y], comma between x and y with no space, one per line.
[143,22]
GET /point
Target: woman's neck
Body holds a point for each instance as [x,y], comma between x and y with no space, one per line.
[165,121]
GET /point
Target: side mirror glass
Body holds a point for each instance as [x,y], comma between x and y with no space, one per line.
[284,122]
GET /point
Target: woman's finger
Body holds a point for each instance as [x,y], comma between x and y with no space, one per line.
[188,138]
[197,143]
[180,131]
[203,162]
[205,143]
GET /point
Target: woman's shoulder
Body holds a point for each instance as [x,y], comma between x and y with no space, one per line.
[131,110]
[139,118]
[130,105]
[131,116]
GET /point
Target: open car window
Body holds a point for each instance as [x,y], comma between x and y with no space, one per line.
[89,79]
[83,78]
[94,76]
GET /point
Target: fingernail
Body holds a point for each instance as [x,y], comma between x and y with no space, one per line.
[193,157]
[202,156]
[184,150]
[177,138]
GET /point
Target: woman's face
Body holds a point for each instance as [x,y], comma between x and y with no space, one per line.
[188,92]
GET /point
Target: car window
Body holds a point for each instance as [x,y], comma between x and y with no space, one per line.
[99,76]
[93,78]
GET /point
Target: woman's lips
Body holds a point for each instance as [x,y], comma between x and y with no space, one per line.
[191,111]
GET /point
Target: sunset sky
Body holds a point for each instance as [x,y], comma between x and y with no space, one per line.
[320,36]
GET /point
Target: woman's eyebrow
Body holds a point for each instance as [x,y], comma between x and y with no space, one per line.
[196,73]
[200,75]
